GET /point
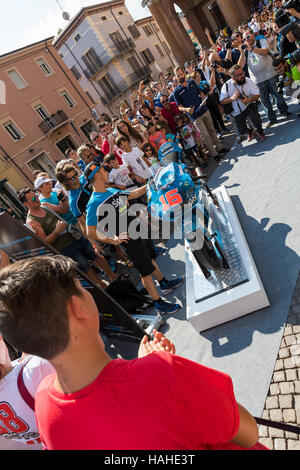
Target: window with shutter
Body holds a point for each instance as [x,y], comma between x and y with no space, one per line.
[108,86]
[90,97]
[76,74]
[158,48]
[13,131]
[148,56]
[67,98]
[92,61]
[148,30]
[134,31]
[133,63]
[44,67]
[116,39]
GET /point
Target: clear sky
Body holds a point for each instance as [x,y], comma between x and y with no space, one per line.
[24,22]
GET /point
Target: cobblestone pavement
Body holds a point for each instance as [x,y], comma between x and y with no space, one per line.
[283,400]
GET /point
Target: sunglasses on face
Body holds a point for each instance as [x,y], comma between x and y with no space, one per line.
[34,199]
[165,101]
[73,178]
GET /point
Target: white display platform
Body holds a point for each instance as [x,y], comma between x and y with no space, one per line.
[232,302]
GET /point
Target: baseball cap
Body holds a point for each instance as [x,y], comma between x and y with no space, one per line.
[41,180]
[91,169]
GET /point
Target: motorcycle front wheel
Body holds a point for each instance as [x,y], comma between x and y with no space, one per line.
[207,256]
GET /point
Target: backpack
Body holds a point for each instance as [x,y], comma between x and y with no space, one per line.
[125,293]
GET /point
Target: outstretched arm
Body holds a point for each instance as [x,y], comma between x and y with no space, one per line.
[211,42]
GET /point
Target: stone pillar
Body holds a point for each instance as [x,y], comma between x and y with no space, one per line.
[159,17]
[178,39]
[196,26]
[179,31]
[233,11]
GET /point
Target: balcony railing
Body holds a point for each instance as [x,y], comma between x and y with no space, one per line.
[123,85]
[53,122]
[123,46]
[99,63]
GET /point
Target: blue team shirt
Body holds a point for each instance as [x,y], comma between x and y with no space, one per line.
[68,216]
[78,198]
[96,200]
[189,97]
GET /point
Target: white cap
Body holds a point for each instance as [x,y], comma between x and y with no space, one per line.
[41,180]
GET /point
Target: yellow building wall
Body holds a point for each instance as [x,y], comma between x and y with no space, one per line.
[6,171]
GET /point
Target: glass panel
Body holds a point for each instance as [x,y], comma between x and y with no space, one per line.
[15,77]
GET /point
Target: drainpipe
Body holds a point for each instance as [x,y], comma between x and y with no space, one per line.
[7,157]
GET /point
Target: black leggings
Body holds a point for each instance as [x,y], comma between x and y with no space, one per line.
[213,107]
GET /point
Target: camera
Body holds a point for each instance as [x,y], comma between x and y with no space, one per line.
[216,65]
[61,197]
[228,44]
[280,86]
[295,57]
[242,97]
[244,47]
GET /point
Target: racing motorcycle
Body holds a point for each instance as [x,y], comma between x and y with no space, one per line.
[175,196]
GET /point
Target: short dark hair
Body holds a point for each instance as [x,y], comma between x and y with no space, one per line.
[103,124]
[22,194]
[33,299]
[109,157]
[62,168]
[68,151]
[278,60]
[120,139]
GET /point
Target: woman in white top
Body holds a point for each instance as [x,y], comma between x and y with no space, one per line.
[127,130]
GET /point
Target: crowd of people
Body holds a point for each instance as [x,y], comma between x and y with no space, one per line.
[56,322]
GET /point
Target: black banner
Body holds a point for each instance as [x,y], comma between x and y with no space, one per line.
[19,242]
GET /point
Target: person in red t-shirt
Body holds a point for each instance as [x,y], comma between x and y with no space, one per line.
[168,112]
[108,142]
[94,402]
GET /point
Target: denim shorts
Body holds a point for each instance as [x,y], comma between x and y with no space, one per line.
[81,251]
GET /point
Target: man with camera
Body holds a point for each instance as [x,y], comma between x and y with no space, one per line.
[260,64]
[288,73]
[286,19]
[243,93]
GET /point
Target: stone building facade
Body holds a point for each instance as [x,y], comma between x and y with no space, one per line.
[109,53]
[44,112]
[199,14]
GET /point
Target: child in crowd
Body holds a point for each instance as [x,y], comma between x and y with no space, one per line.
[187,137]
[119,175]
[156,137]
[152,158]
[135,160]
[164,128]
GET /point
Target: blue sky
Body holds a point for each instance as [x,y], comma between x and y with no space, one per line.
[24,22]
